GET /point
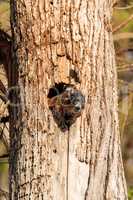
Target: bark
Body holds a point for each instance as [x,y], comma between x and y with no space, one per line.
[51,40]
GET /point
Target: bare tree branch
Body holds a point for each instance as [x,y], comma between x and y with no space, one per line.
[124,23]
[124,8]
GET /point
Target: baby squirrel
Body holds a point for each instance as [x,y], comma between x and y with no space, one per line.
[66,107]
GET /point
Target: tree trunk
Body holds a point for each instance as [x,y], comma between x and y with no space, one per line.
[66,42]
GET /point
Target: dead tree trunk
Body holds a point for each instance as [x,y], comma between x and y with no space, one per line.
[64,42]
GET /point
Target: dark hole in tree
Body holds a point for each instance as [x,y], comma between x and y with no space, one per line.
[54,150]
[74,75]
[63,101]
[58,88]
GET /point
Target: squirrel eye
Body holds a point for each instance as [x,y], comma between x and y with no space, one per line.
[67,101]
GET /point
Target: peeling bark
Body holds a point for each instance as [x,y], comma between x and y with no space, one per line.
[52,39]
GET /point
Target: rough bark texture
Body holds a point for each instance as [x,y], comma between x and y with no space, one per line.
[52,38]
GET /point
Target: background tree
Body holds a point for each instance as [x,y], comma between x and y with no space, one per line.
[52,40]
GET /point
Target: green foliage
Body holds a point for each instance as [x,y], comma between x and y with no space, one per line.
[4,15]
[130,193]
[4,6]
[3,167]
[122,15]
[128,27]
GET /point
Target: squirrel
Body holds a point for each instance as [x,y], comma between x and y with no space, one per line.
[66,107]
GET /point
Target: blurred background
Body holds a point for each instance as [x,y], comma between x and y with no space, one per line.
[122,23]
[123,41]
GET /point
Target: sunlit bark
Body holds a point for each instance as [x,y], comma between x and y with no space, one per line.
[52,39]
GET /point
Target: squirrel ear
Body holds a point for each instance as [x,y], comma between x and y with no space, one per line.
[69,89]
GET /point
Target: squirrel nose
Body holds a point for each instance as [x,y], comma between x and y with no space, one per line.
[77,108]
